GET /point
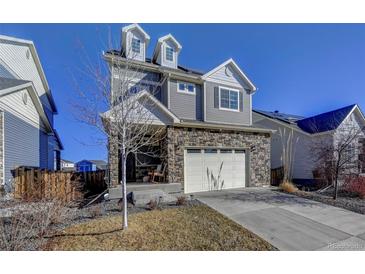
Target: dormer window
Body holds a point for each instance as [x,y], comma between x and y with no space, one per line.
[167,51]
[136,45]
[169,54]
[134,42]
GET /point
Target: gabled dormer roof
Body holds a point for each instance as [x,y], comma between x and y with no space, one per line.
[162,39]
[131,27]
[232,63]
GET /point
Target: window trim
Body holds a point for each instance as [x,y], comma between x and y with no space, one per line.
[186,91]
[173,54]
[238,98]
[140,45]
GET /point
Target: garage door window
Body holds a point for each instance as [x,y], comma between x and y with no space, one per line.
[239,151]
[193,150]
[226,150]
[210,150]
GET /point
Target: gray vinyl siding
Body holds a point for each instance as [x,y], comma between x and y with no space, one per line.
[43,149]
[214,114]
[21,144]
[50,158]
[141,79]
[164,95]
[186,106]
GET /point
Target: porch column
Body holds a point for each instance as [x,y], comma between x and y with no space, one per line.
[113,157]
[170,155]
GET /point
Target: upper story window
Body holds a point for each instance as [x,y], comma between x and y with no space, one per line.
[136,45]
[228,99]
[169,54]
[186,88]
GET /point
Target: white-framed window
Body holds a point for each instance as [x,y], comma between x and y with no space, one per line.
[136,45]
[187,88]
[169,54]
[229,99]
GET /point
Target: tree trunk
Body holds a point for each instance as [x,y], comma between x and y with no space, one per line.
[336,187]
[124,188]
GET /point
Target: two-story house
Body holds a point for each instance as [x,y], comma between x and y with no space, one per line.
[27,134]
[207,117]
[310,132]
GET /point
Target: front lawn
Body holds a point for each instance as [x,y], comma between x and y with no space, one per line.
[186,228]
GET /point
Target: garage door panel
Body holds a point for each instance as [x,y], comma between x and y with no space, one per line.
[200,166]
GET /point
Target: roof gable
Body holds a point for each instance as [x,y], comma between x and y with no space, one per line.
[136,27]
[231,69]
[38,66]
[15,85]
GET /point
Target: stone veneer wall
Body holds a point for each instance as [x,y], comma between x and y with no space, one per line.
[113,158]
[259,157]
[1,148]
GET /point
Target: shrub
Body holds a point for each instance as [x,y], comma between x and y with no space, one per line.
[181,200]
[355,185]
[96,211]
[153,204]
[288,187]
[26,226]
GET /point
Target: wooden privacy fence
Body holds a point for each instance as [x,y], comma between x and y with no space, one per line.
[277,176]
[37,184]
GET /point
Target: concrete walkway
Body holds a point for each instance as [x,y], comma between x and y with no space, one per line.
[289,222]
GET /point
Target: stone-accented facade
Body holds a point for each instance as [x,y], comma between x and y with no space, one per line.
[113,161]
[257,147]
[1,148]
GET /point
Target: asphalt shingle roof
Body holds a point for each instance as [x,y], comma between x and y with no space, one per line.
[325,121]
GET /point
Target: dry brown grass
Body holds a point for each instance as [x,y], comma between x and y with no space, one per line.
[288,187]
[188,228]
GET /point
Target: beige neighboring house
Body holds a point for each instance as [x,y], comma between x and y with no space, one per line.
[328,125]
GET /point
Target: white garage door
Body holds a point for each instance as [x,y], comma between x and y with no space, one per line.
[214,169]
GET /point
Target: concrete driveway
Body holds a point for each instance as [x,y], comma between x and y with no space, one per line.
[289,222]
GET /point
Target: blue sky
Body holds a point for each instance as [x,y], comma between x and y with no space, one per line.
[301,69]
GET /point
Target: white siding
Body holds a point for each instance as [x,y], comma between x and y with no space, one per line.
[15,57]
[14,104]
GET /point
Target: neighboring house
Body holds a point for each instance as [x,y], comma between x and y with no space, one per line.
[307,130]
[27,133]
[67,165]
[90,165]
[207,118]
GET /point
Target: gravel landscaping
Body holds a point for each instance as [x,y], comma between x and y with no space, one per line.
[344,200]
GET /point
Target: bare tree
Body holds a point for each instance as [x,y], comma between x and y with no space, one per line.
[336,153]
[288,149]
[121,104]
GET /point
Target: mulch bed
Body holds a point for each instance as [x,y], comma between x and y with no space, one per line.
[344,200]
